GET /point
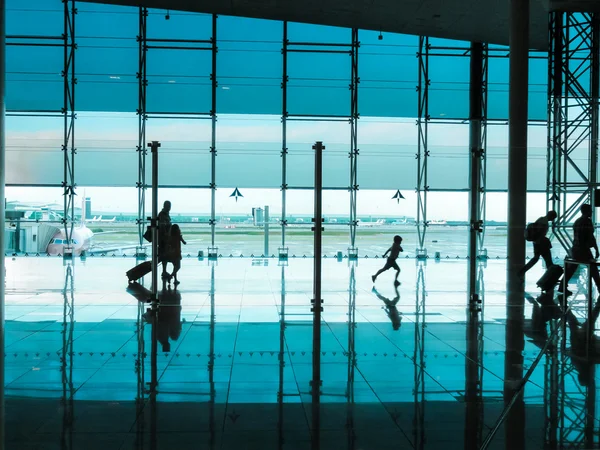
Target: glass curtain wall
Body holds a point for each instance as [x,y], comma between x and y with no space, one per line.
[237,105]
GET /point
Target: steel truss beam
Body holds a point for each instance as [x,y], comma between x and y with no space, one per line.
[574,82]
[419,360]
[69,116]
[422,148]
[142,118]
[477,171]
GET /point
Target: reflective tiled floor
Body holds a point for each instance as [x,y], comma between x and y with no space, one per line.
[412,369]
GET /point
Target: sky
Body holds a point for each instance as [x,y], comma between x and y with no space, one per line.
[248,157]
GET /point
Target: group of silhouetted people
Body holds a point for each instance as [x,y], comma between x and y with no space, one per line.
[583,241]
[169,244]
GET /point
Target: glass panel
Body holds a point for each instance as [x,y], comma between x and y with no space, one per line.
[107,65]
[448,164]
[178,25]
[387,153]
[106,149]
[179,81]
[241,223]
[388,75]
[319,83]
[249,66]
[33,78]
[184,154]
[304,32]
[35,18]
[33,150]
[301,136]
[300,211]
[381,217]
[449,75]
[249,151]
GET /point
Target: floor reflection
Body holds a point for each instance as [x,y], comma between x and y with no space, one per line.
[233,360]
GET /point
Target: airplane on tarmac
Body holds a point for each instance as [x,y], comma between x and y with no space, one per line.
[100,219]
[53,237]
[379,223]
[82,239]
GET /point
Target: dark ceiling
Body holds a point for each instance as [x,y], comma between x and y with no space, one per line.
[468,20]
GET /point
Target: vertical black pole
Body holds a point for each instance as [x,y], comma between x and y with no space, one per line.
[2,224]
[317,301]
[154,146]
[517,192]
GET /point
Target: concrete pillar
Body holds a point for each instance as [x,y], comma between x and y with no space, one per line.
[517,191]
[2,225]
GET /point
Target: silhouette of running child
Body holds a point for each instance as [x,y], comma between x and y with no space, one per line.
[174,251]
[394,252]
[390,307]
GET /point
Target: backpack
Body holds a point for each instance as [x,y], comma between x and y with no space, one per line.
[531,232]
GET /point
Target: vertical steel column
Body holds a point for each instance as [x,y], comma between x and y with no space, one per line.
[422,143]
[284,150]
[573,117]
[353,154]
[69,116]
[517,191]
[213,142]
[2,218]
[154,146]
[476,158]
[482,252]
[142,117]
[317,301]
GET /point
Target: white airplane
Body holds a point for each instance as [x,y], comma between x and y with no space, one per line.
[99,219]
[81,239]
[378,223]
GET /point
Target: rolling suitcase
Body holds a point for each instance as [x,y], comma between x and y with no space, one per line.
[550,278]
[139,271]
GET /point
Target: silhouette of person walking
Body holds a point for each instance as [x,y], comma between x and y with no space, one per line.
[583,241]
[536,233]
[173,253]
[390,307]
[394,252]
[164,229]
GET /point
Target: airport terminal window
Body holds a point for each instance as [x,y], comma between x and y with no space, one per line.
[248,127]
